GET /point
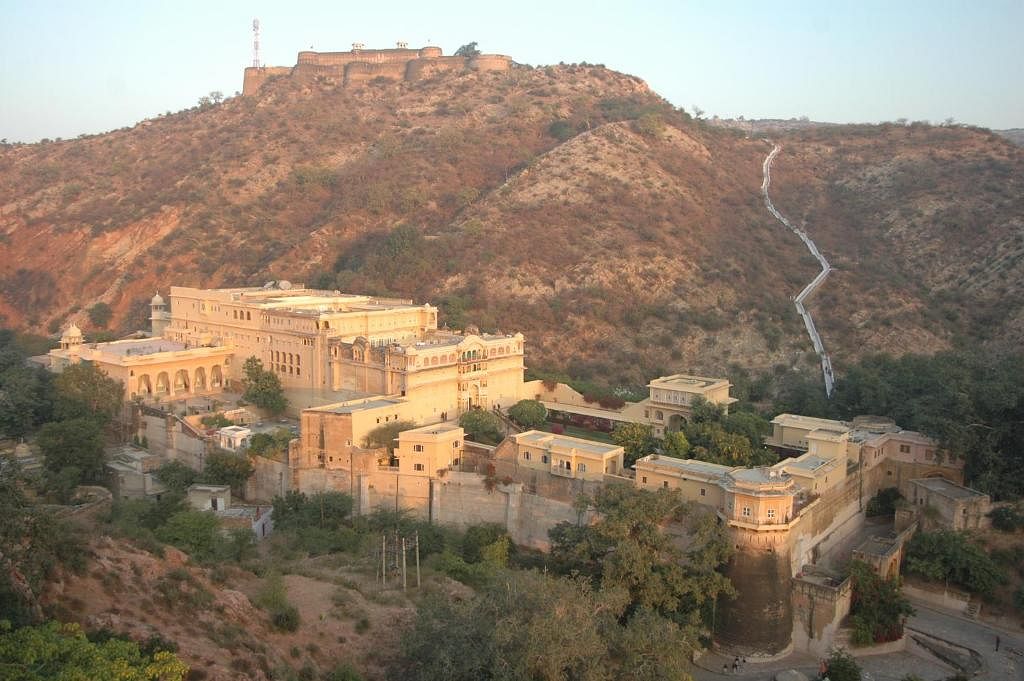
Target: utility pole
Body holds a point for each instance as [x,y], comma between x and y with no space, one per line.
[405,581]
[417,559]
[383,559]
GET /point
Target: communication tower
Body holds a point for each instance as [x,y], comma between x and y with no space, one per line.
[256,43]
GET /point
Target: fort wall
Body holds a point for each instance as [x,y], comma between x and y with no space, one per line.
[358,66]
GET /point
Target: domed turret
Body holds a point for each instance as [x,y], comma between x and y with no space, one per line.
[71,337]
[158,318]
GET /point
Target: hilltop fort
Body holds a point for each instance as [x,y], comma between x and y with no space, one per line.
[361,65]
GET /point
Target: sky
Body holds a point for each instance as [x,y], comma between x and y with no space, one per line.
[70,68]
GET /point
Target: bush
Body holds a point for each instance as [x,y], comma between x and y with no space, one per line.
[1007,518]
[883,503]
[272,598]
[842,666]
[951,556]
[100,315]
[528,413]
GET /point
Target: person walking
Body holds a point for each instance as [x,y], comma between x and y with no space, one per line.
[997,643]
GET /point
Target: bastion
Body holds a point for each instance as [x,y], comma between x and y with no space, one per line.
[361,65]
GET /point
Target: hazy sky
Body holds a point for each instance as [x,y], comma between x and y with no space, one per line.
[68,68]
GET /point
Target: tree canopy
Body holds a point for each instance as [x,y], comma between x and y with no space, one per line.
[73,443]
[950,556]
[62,651]
[262,387]
[467,50]
[83,390]
[482,426]
[528,413]
[383,436]
[228,468]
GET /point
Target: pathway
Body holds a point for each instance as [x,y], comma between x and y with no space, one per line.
[819,348]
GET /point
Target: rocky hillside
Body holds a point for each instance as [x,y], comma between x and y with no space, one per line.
[569,202]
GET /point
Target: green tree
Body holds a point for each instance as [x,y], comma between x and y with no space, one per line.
[842,666]
[528,413]
[62,651]
[467,50]
[176,476]
[262,387]
[675,445]
[26,399]
[950,556]
[627,549]
[195,532]
[383,437]
[73,443]
[100,315]
[33,543]
[878,607]
[83,390]
[482,426]
[228,468]
[324,510]
[636,439]
[271,445]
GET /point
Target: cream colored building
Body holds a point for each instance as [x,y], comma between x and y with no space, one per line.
[323,341]
[323,345]
[429,451]
[567,457]
[332,436]
[753,498]
[151,369]
[667,407]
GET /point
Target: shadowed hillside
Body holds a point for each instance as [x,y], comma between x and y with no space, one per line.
[568,202]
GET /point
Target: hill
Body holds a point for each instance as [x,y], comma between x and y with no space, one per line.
[570,202]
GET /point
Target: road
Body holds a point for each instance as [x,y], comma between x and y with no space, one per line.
[1006,664]
[812,331]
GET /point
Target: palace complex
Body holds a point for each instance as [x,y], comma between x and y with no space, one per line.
[352,364]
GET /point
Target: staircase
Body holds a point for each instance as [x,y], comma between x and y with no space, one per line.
[972,609]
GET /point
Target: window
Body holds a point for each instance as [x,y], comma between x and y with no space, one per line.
[455,445]
[543,458]
[904,449]
[664,483]
[703,492]
[746,511]
[581,467]
[771,513]
[929,454]
[644,479]
[417,448]
[526,455]
[417,467]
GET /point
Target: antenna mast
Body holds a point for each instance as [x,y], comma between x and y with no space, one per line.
[256,43]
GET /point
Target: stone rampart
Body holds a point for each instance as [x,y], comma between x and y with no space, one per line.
[359,66]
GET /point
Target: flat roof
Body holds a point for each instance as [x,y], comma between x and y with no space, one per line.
[760,474]
[136,348]
[827,434]
[365,405]
[200,487]
[878,546]
[947,488]
[809,422]
[539,437]
[688,465]
[436,429]
[686,382]
[809,463]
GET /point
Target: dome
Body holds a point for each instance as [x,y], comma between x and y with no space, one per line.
[157,300]
[72,332]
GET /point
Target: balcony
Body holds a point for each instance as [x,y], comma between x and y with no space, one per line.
[562,472]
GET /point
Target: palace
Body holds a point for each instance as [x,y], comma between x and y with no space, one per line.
[325,346]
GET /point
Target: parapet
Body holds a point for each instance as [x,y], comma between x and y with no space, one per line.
[361,65]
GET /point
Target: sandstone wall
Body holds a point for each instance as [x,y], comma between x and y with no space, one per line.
[360,66]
